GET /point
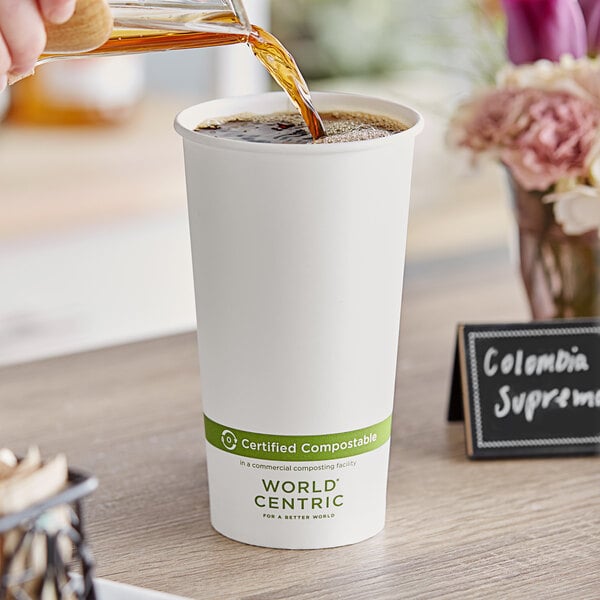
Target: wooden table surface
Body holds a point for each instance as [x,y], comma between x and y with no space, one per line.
[455,528]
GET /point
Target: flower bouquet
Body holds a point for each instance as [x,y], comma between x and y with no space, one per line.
[541,121]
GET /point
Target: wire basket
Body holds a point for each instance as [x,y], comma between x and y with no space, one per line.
[51,534]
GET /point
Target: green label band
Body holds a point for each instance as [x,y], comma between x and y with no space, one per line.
[297,447]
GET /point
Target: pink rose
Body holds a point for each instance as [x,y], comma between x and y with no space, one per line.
[491,121]
[560,135]
[541,136]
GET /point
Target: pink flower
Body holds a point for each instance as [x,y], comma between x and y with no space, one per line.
[544,29]
[540,136]
[491,121]
[591,12]
[560,135]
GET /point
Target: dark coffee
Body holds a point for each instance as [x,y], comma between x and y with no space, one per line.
[289,128]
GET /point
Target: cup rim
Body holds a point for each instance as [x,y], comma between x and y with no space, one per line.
[187,119]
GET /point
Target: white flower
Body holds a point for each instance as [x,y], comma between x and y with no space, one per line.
[593,164]
[527,75]
[580,77]
[577,210]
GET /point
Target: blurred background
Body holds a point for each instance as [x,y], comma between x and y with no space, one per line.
[94,246]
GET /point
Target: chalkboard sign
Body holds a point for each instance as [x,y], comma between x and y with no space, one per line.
[528,389]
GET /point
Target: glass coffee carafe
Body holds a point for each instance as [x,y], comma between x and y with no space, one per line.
[84,91]
[153,25]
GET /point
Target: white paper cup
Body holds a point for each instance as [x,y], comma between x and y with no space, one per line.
[298,254]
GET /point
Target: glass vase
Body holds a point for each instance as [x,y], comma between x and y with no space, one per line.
[560,272]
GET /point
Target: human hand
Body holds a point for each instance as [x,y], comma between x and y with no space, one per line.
[23,34]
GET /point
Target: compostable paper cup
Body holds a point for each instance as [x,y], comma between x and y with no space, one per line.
[298,256]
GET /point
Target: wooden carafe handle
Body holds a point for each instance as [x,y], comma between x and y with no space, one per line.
[88,28]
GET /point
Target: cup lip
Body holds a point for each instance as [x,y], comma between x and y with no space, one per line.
[187,119]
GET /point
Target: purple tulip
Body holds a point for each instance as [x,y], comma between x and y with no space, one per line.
[591,12]
[544,29]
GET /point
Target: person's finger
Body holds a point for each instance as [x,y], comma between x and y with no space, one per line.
[5,62]
[24,33]
[57,11]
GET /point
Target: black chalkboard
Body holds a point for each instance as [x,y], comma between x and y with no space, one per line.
[528,389]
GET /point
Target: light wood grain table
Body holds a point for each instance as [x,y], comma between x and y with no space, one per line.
[455,529]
